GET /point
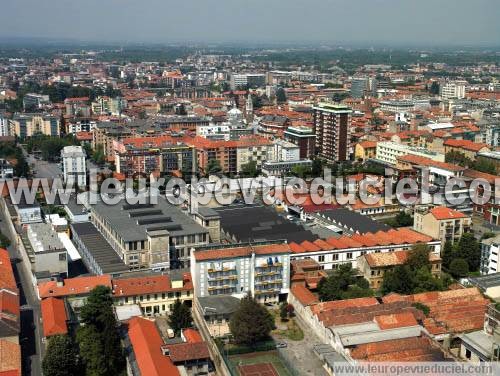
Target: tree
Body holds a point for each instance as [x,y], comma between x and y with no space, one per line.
[283,311]
[301,171]
[61,358]
[4,241]
[213,167]
[317,168]
[180,317]
[448,252]
[98,155]
[343,284]
[434,89]
[404,220]
[418,257]
[280,95]
[249,169]
[469,249]
[100,344]
[459,268]
[251,322]
[400,280]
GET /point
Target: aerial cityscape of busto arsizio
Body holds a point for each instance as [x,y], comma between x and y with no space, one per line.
[249,188]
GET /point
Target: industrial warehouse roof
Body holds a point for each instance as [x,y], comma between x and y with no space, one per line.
[133,222]
[352,221]
[101,251]
[259,223]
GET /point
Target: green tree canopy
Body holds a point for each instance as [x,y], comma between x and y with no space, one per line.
[459,268]
[213,167]
[280,95]
[343,284]
[249,170]
[180,317]
[61,358]
[251,322]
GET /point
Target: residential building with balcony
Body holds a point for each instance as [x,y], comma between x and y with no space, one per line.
[26,125]
[74,166]
[388,152]
[332,126]
[261,269]
[490,250]
[441,223]
[304,138]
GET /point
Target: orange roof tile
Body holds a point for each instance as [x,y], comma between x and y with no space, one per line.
[442,212]
[146,285]
[73,286]
[303,295]
[396,320]
[53,317]
[192,335]
[146,343]
[7,280]
[243,251]
[466,144]
[10,357]
[182,352]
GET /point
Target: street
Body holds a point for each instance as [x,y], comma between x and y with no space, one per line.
[30,335]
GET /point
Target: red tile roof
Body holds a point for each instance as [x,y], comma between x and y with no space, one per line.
[243,251]
[53,317]
[7,280]
[303,295]
[383,259]
[442,213]
[181,352]
[342,304]
[10,357]
[192,335]
[396,320]
[427,162]
[73,286]
[147,285]
[146,343]
[465,144]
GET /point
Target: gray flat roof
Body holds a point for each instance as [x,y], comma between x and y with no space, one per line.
[486,281]
[481,341]
[132,222]
[221,305]
[101,251]
[353,220]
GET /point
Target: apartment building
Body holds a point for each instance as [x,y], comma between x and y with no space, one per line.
[162,155]
[261,269]
[452,89]
[373,266]
[247,80]
[468,148]
[490,250]
[74,166]
[332,125]
[304,138]
[154,294]
[441,223]
[365,150]
[6,169]
[231,155]
[34,101]
[77,106]
[388,152]
[155,236]
[108,106]
[27,125]
[283,151]
[105,133]
[4,126]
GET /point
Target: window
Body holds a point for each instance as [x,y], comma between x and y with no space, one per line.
[335,257]
[468,353]
[62,256]
[321,258]
[349,255]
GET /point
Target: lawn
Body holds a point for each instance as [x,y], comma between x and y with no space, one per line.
[260,358]
[293,331]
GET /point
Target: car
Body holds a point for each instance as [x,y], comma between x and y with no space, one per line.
[281,345]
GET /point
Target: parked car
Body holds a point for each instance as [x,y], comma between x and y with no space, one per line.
[281,345]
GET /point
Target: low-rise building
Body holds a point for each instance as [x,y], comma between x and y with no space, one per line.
[6,169]
[468,148]
[442,223]
[373,266]
[388,152]
[262,269]
[217,312]
[155,294]
[365,150]
[46,251]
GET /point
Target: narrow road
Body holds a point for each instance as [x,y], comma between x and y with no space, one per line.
[30,336]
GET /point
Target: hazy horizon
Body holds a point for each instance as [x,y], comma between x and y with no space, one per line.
[355,22]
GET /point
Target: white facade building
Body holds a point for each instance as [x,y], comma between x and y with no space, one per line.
[4,126]
[453,89]
[283,151]
[74,167]
[490,249]
[388,152]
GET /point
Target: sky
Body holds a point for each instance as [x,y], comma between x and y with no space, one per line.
[368,22]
